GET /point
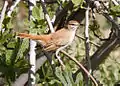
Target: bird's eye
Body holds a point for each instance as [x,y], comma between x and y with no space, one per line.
[74,24]
[71,24]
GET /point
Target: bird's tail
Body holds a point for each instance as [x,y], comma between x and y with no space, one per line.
[25,35]
[34,37]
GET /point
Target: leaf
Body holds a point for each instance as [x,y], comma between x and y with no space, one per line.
[79,80]
[115,10]
[8,56]
[2,48]
[52,82]
[58,73]
[21,66]
[68,76]
[5,36]
[37,13]
[23,49]
[77,2]
[11,44]
[6,20]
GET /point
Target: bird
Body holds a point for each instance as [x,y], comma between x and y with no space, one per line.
[55,40]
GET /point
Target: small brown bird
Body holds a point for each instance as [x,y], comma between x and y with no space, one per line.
[57,39]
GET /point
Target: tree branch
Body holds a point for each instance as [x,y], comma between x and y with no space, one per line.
[97,45]
[2,16]
[81,66]
[12,8]
[47,16]
[87,46]
[101,54]
[23,78]
[32,57]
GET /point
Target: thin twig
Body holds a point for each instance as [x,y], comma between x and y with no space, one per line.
[2,16]
[111,20]
[115,2]
[12,8]
[87,46]
[81,66]
[32,58]
[47,16]
[22,79]
[49,24]
[97,45]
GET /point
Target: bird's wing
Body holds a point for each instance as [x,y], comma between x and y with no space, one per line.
[60,38]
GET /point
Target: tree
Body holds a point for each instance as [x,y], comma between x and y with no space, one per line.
[95,46]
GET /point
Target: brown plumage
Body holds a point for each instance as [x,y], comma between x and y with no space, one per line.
[57,39]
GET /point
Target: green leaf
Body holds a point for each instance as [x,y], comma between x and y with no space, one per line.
[59,74]
[23,49]
[2,48]
[21,66]
[5,36]
[79,80]
[115,10]
[68,76]
[77,2]
[11,44]
[8,56]
[37,13]
[6,20]
[52,82]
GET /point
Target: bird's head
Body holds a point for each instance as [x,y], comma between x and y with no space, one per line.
[72,25]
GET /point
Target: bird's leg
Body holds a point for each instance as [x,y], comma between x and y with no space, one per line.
[58,57]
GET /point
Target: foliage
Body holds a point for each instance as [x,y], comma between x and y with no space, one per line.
[60,77]
[78,2]
[13,50]
[115,10]
[12,54]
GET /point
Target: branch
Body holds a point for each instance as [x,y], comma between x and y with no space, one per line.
[2,16]
[23,78]
[111,20]
[81,66]
[32,57]
[101,54]
[108,17]
[12,8]
[103,39]
[115,2]
[62,13]
[97,45]
[87,46]
[47,16]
